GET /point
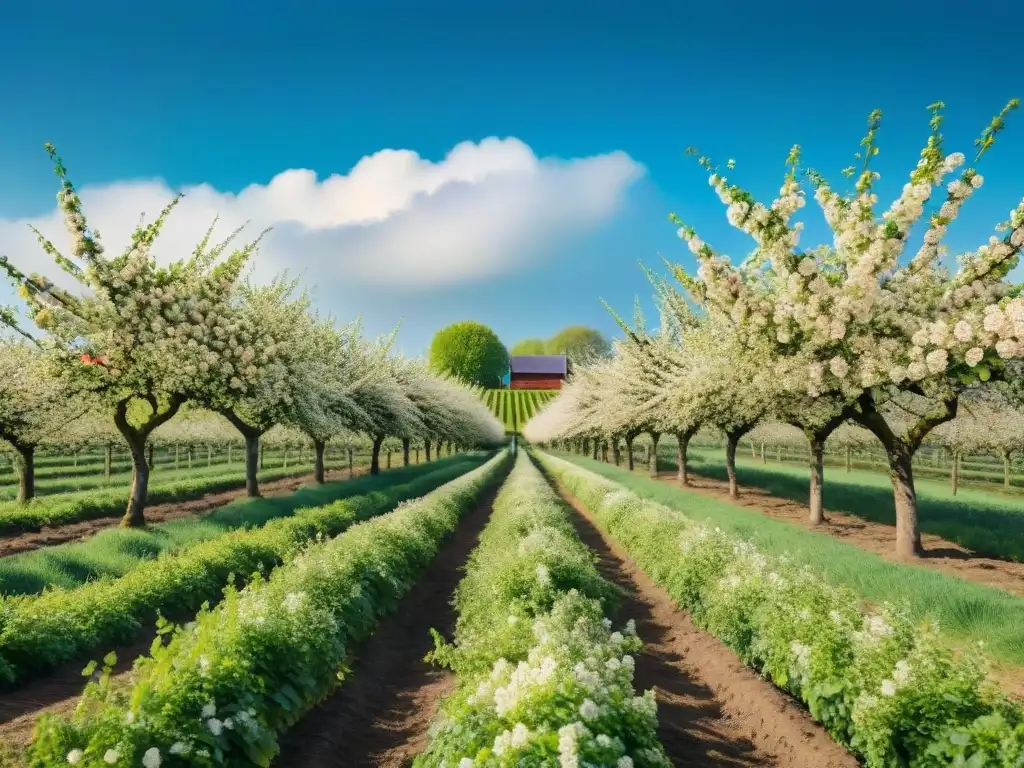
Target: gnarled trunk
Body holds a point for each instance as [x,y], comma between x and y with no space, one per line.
[817,466]
[901,472]
[136,438]
[682,444]
[405,452]
[253,451]
[319,446]
[731,442]
[26,472]
[375,455]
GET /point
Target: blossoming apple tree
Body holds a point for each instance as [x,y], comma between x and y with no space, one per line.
[860,322]
[140,338]
[34,407]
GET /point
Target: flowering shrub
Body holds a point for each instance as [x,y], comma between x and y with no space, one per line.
[891,691]
[37,632]
[543,679]
[225,686]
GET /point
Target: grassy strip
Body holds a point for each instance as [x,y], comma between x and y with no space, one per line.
[39,632]
[114,551]
[221,691]
[76,485]
[885,686]
[967,612]
[988,523]
[110,501]
[543,680]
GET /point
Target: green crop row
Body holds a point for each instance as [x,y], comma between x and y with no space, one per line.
[38,632]
[514,407]
[887,687]
[542,678]
[222,689]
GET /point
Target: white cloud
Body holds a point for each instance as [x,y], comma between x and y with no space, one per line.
[393,220]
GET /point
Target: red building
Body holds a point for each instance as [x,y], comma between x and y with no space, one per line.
[537,371]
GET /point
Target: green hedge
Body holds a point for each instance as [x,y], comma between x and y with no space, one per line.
[543,679]
[221,691]
[882,684]
[41,631]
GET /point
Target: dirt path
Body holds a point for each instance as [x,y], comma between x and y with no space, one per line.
[58,692]
[940,554]
[157,513]
[380,716]
[712,710]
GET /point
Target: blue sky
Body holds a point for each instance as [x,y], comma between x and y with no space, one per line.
[231,94]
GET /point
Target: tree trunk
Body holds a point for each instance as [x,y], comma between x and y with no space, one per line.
[417,454]
[849,459]
[901,472]
[189,455]
[954,472]
[375,456]
[76,458]
[616,454]
[604,451]
[253,463]
[26,472]
[405,452]
[262,452]
[682,444]
[318,462]
[426,447]
[351,464]
[817,465]
[763,459]
[753,450]
[1006,470]
[134,516]
[449,447]
[108,460]
[732,440]
[389,458]
[595,450]
[284,458]
[778,453]
[230,447]
[652,454]
[629,453]
[209,455]
[177,457]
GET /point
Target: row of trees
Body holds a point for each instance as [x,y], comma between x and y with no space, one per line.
[850,332]
[135,342]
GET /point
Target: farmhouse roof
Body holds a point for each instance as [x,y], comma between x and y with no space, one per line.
[538,364]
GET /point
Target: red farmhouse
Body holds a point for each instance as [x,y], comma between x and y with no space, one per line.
[537,372]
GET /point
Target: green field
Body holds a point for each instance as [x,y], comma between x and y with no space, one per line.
[514,407]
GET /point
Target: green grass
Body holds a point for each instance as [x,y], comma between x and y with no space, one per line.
[115,551]
[966,612]
[987,523]
[514,407]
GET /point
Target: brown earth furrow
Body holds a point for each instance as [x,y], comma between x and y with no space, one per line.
[381,714]
[712,709]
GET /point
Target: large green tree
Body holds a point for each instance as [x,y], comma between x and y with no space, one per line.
[579,344]
[471,352]
[529,347]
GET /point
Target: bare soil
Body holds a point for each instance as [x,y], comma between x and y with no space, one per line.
[49,536]
[940,554]
[712,709]
[381,714]
[57,693]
